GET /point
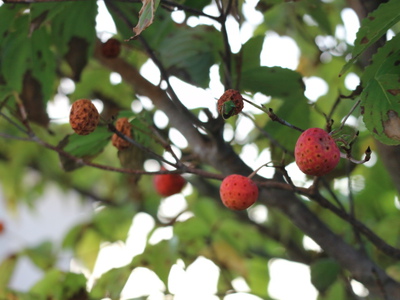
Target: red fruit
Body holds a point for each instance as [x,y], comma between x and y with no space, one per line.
[230,104]
[168,184]
[83,117]
[238,192]
[316,152]
[111,48]
[1,227]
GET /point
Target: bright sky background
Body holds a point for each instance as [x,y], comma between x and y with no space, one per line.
[288,280]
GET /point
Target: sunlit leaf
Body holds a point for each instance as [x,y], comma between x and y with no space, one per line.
[373,27]
[113,223]
[111,283]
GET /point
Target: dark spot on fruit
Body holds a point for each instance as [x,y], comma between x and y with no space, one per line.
[327,148]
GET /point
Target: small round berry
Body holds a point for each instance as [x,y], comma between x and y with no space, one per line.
[124,127]
[168,184]
[238,192]
[316,152]
[230,104]
[83,117]
[111,48]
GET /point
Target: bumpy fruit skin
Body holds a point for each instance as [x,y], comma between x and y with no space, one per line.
[316,152]
[168,184]
[124,127]
[83,117]
[111,48]
[230,104]
[238,192]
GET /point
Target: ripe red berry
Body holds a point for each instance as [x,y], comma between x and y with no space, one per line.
[316,152]
[84,117]
[1,227]
[111,48]
[230,104]
[168,184]
[238,192]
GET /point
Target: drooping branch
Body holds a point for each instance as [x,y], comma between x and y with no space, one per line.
[217,153]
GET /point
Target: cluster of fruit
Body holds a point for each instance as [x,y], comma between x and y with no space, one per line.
[316,152]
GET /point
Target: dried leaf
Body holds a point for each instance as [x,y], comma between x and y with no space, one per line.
[146,16]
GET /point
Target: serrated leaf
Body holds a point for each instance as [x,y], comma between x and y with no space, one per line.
[273,81]
[381,93]
[383,61]
[146,16]
[381,108]
[324,273]
[373,27]
[111,283]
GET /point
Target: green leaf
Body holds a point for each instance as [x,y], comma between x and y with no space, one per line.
[76,20]
[146,16]
[88,145]
[381,93]
[111,283]
[56,284]
[113,223]
[251,52]
[188,53]
[373,27]
[381,108]
[383,61]
[191,229]
[7,267]
[317,10]
[42,255]
[49,285]
[257,276]
[160,264]
[88,248]
[273,81]
[324,273]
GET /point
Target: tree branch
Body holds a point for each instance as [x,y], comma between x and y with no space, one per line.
[222,157]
